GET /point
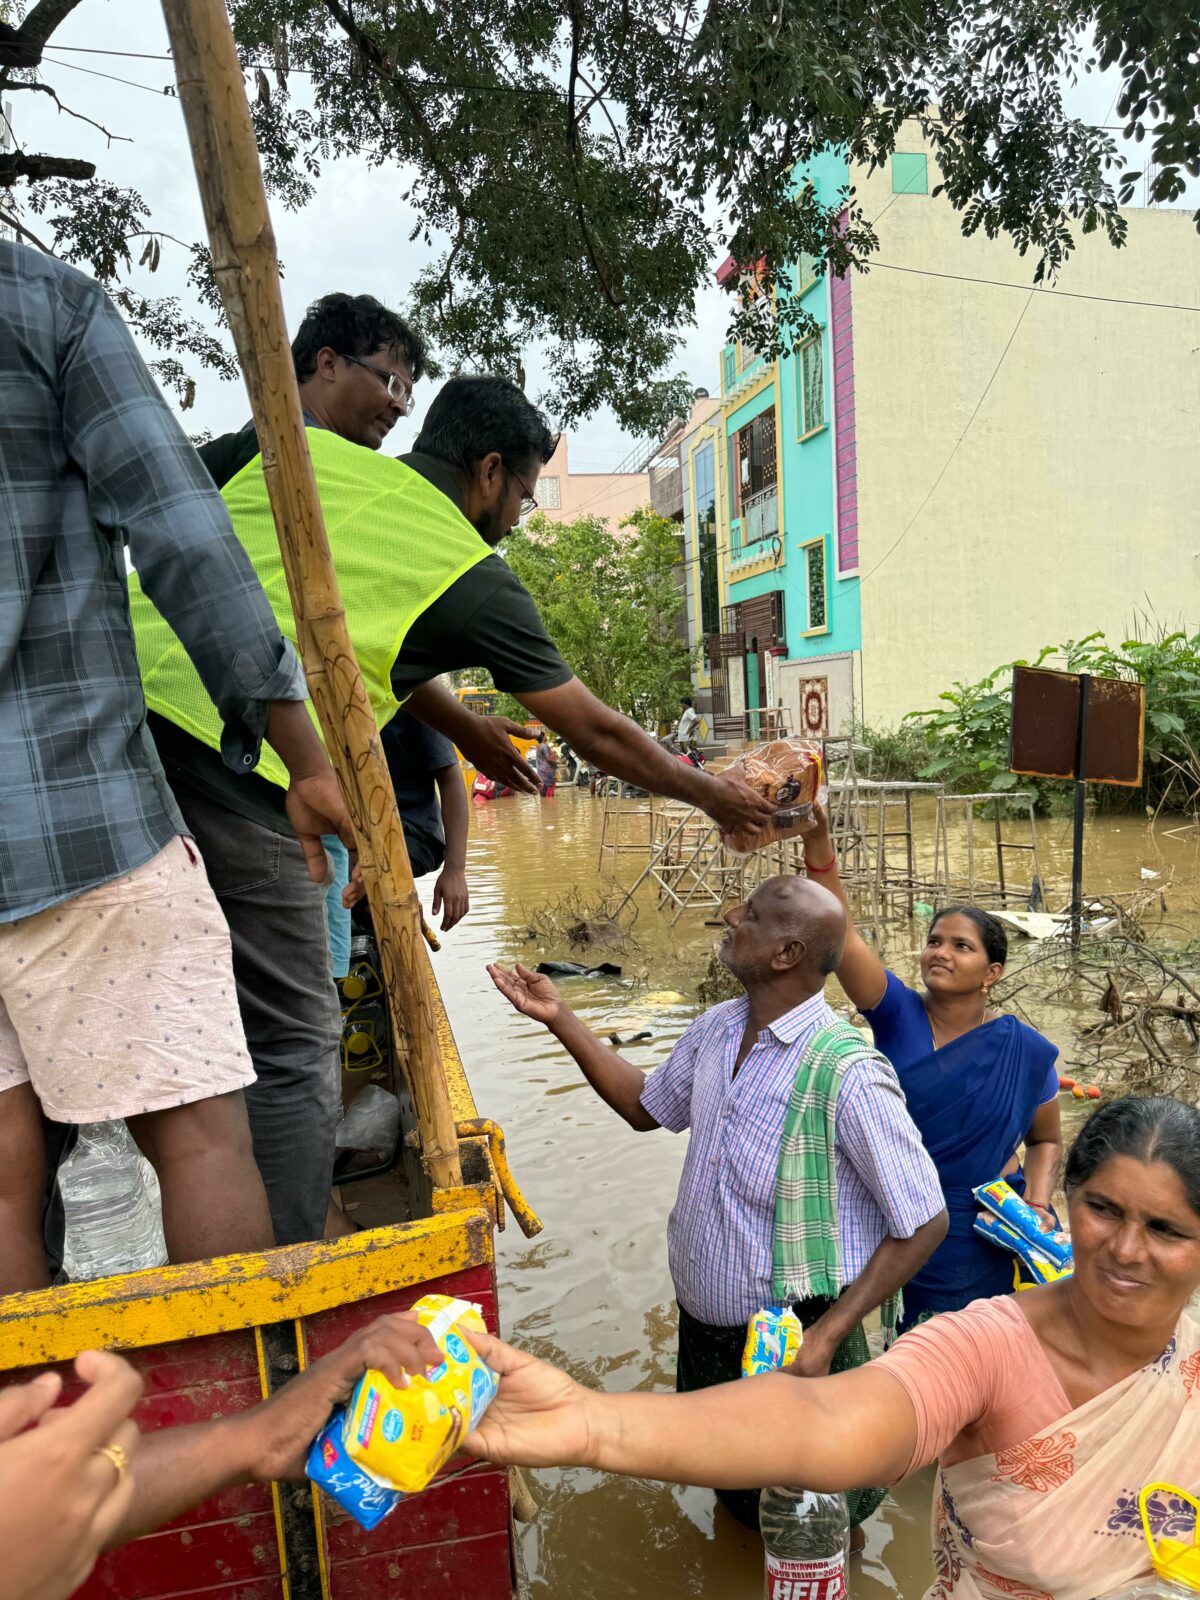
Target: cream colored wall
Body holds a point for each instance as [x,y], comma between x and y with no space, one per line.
[611,495]
[1072,502]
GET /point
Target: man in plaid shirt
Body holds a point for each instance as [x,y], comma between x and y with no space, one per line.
[116,986]
[729,1081]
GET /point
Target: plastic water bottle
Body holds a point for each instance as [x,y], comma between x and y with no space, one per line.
[805,1535]
[111,1200]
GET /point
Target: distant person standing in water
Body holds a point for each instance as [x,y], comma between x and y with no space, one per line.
[978,1083]
[545,760]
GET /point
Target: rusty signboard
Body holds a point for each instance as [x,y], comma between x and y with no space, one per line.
[1071,725]
[1045,736]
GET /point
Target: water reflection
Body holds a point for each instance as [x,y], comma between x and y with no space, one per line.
[593,1293]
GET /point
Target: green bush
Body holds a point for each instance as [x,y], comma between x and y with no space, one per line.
[894,755]
[968,733]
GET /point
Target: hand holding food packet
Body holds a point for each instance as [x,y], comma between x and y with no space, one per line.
[788,772]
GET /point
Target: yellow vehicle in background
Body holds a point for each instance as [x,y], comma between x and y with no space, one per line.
[484,703]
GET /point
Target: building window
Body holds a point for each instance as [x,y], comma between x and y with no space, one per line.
[910,173]
[704,477]
[814,555]
[806,272]
[548,495]
[754,459]
[729,367]
[810,386]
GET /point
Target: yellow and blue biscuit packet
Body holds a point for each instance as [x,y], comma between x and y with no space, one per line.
[343,1480]
[1038,1267]
[1003,1201]
[773,1340]
[403,1437]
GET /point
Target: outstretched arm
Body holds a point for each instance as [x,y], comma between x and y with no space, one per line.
[845,1432]
[861,973]
[618,746]
[618,1082]
[485,741]
[176,1468]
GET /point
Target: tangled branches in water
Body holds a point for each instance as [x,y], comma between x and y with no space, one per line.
[1141,990]
[605,922]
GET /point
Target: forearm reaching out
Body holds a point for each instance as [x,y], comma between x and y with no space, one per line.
[617,1081]
[850,1431]
[618,746]
[894,1262]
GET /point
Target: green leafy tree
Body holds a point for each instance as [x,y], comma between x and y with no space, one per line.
[611,601]
[575,161]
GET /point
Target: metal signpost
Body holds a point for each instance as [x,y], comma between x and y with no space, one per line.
[1071,725]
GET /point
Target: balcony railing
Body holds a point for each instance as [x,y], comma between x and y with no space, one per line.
[760,516]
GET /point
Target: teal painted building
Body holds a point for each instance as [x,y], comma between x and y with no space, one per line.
[792,563]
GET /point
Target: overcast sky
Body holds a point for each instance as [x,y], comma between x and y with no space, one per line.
[354,234]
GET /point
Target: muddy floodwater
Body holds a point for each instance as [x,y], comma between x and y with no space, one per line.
[592,1292]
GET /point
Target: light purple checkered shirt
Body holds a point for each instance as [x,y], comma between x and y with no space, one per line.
[720,1233]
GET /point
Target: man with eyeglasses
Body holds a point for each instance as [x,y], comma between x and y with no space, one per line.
[413,542]
[356,364]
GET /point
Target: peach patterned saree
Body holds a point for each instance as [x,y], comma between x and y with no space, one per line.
[1056,1517]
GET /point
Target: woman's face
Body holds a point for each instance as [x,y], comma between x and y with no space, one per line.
[1136,1241]
[954,960]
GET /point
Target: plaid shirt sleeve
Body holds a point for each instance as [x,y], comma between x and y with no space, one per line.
[883,1145]
[668,1092]
[144,478]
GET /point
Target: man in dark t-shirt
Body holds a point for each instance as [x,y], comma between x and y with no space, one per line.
[432,800]
[482,447]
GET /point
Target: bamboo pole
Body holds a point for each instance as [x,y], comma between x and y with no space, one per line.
[225,155]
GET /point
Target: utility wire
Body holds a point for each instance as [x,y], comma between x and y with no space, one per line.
[1058,294]
[128,83]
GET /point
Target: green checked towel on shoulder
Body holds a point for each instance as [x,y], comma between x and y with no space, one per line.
[807,1248]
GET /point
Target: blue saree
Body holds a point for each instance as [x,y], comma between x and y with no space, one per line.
[973,1102]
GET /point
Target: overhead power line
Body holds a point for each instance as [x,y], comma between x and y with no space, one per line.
[1025,288]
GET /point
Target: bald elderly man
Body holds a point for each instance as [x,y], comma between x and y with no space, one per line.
[805,1180]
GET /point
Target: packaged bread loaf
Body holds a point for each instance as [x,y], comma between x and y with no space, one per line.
[787,772]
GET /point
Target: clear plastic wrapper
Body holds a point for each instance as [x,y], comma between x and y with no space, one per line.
[789,773]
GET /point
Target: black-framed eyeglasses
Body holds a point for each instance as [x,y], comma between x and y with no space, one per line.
[397,392]
[528,504]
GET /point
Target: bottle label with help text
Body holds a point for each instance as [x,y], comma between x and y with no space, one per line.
[805,1580]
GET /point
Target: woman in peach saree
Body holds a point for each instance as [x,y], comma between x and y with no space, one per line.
[1048,1411]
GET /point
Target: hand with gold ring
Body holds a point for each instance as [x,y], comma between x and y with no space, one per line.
[66,1488]
[117,1456]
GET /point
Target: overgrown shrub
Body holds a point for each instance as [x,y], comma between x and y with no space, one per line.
[968,733]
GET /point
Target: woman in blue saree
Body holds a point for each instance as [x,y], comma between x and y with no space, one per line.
[978,1083]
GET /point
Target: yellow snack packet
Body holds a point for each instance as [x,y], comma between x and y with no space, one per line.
[404,1437]
[773,1339]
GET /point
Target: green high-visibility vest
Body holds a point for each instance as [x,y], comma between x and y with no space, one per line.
[397,544]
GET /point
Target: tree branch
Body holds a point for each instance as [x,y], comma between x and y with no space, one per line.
[44,88]
[373,57]
[17,166]
[9,221]
[589,243]
[43,19]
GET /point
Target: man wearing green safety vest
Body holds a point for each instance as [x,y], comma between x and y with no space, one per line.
[424,593]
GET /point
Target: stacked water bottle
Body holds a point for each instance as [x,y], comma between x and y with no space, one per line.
[113,1209]
[805,1535]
